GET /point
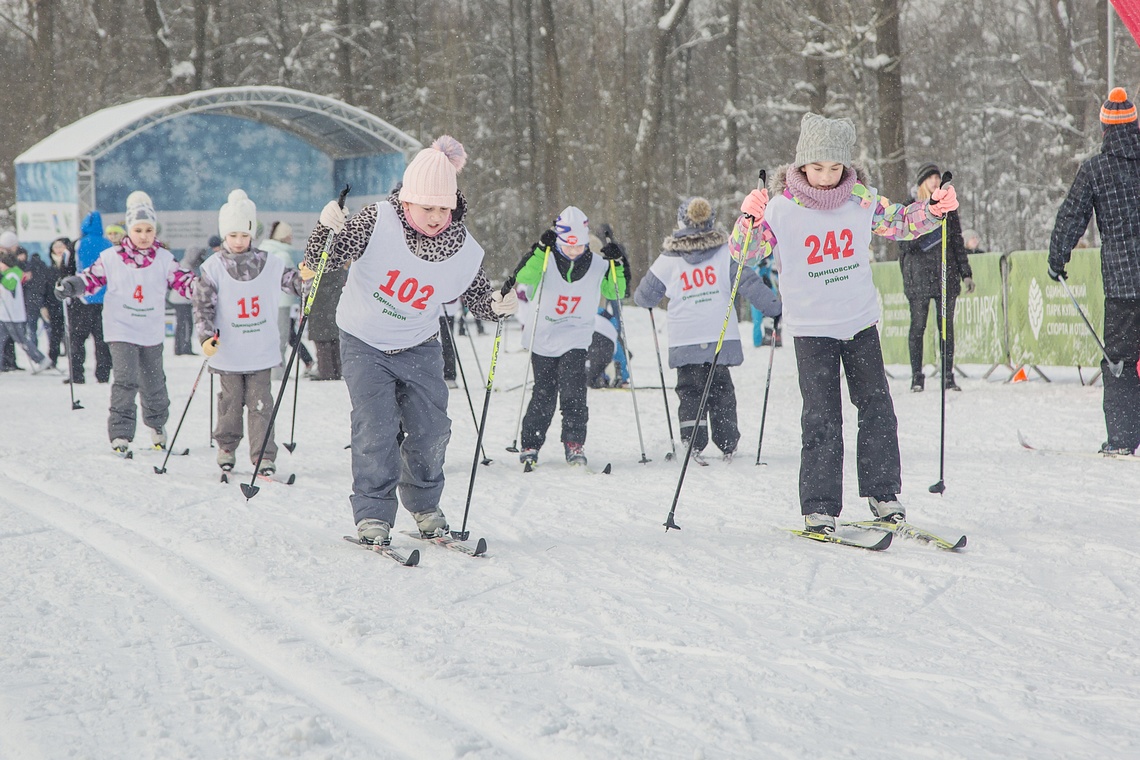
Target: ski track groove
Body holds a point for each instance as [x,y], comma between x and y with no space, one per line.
[259,644]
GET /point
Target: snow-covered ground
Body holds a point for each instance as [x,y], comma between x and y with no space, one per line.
[164,616]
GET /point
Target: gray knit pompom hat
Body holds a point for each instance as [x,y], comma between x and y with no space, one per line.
[825,140]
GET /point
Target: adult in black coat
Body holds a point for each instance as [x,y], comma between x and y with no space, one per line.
[1109,183]
[62,254]
[921,262]
[322,324]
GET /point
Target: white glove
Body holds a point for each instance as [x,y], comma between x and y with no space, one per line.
[332,216]
[504,305]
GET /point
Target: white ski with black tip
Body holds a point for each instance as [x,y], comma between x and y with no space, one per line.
[452,543]
[906,530]
[407,560]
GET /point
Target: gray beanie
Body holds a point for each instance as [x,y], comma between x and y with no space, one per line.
[695,216]
[825,140]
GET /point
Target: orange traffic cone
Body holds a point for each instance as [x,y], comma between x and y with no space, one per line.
[1021,376]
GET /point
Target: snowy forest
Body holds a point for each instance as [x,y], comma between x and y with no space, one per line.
[622,107]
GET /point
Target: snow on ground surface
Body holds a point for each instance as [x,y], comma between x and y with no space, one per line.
[164,616]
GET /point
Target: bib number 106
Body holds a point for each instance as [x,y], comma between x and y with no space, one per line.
[698,278]
[408,289]
[829,246]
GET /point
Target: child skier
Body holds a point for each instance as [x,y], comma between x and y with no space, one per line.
[235,311]
[137,273]
[562,322]
[819,226]
[410,254]
[13,313]
[696,272]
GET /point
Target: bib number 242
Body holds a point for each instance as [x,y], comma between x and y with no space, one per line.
[829,246]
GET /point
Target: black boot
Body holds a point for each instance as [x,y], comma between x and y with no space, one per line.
[918,383]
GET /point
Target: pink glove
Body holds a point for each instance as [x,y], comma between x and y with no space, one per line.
[943,200]
[755,204]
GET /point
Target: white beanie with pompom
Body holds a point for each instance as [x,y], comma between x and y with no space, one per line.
[429,179]
[238,214]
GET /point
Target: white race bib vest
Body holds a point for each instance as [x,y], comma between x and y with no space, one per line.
[12,305]
[566,315]
[246,317]
[393,298]
[825,268]
[134,309]
[698,298]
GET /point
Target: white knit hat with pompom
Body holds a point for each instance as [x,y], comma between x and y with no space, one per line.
[238,214]
[140,208]
[429,179]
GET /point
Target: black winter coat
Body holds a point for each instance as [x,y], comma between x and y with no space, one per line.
[322,318]
[921,261]
[1108,183]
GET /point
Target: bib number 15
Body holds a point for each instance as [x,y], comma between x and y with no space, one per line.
[408,289]
[829,246]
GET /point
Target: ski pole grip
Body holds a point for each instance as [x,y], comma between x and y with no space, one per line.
[510,283]
[761,180]
[343,194]
[947,176]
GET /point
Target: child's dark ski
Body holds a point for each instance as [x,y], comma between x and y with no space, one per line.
[284,478]
[408,560]
[449,542]
[877,545]
[532,466]
[907,530]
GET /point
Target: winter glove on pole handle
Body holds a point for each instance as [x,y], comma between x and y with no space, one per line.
[324,256]
[703,405]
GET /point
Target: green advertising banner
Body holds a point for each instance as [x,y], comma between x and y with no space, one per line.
[979,325]
[1044,326]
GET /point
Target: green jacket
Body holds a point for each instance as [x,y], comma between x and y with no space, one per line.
[11,278]
[572,271]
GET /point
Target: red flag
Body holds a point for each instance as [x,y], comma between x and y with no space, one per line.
[1021,376]
[1129,13]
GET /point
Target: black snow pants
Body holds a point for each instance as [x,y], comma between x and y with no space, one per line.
[720,411]
[561,380]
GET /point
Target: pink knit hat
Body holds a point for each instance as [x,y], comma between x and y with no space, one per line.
[429,179]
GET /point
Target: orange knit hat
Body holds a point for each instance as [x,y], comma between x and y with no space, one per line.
[1118,109]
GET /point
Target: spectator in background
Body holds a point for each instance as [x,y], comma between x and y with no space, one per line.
[86,314]
[1109,183]
[280,244]
[13,319]
[322,324]
[37,283]
[62,256]
[115,233]
[921,262]
[9,243]
[973,242]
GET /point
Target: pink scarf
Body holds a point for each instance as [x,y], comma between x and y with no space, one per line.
[818,198]
[132,256]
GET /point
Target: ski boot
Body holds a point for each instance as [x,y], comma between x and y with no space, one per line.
[528,458]
[373,532]
[122,447]
[226,460]
[1109,450]
[158,439]
[819,523]
[431,523]
[887,509]
[574,454]
[268,469]
[918,383]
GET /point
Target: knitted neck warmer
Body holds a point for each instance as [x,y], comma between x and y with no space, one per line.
[132,255]
[817,198]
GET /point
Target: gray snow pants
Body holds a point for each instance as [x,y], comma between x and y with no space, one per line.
[137,371]
[252,391]
[390,392]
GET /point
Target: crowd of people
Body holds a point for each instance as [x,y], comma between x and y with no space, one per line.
[391,279]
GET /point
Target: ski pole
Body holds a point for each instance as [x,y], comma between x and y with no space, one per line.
[249,489]
[70,356]
[211,410]
[940,486]
[767,386]
[292,445]
[463,375]
[628,356]
[1116,368]
[514,447]
[669,522]
[463,534]
[664,393]
[193,388]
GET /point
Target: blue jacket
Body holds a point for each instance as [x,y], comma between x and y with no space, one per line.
[90,245]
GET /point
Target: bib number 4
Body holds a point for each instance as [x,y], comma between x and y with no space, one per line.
[829,246]
[138,294]
[408,289]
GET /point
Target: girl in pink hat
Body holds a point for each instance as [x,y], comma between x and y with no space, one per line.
[410,254]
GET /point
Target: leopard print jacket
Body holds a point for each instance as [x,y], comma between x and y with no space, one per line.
[353,239]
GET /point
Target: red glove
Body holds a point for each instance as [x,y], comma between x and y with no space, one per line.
[943,200]
[755,204]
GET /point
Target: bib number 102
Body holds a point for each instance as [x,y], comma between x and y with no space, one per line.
[408,289]
[829,246]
